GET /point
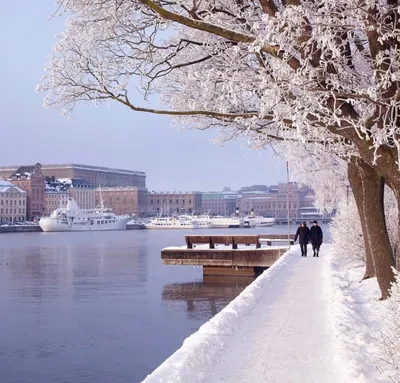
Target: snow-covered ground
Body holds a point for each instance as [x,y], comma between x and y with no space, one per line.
[303,320]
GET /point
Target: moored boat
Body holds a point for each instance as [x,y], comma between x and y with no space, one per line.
[259,221]
[171,223]
[202,221]
[72,218]
[226,222]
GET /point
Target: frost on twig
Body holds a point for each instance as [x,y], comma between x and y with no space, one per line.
[308,72]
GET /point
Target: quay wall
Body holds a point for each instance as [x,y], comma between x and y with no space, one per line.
[199,351]
[20,229]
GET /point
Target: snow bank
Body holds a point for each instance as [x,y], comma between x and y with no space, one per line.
[199,351]
[357,318]
[390,340]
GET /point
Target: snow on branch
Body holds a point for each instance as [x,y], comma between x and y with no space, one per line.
[305,71]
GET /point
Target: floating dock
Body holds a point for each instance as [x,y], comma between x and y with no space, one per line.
[229,255]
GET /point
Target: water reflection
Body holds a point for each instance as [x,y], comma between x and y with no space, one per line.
[205,299]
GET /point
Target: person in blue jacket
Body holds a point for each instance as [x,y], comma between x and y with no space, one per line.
[303,234]
[316,238]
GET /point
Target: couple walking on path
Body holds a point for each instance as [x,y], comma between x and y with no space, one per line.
[313,235]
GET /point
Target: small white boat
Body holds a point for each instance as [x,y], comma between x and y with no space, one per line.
[202,221]
[259,221]
[72,218]
[226,222]
[170,223]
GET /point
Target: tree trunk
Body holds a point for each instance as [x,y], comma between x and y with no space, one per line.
[355,180]
[374,214]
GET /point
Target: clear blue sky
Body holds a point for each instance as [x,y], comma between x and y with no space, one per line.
[114,136]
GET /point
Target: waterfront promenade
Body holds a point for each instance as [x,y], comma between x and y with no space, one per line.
[278,330]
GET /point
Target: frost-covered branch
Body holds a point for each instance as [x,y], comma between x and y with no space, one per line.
[331,68]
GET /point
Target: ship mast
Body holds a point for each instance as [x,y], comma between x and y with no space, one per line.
[101,200]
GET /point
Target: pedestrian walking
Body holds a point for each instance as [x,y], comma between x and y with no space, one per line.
[303,234]
[316,238]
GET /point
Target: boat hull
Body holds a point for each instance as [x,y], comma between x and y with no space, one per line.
[52,225]
[226,226]
[226,223]
[166,227]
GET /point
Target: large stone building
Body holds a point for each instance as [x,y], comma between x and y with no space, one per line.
[219,203]
[175,202]
[12,203]
[95,175]
[31,180]
[124,200]
[275,202]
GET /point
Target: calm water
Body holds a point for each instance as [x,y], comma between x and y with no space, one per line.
[99,306]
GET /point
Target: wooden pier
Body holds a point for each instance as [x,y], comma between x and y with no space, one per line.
[228,255]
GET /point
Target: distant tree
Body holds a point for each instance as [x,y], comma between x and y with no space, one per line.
[307,71]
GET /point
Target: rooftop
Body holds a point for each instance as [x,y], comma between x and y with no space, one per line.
[119,188]
[12,168]
[174,192]
[75,182]
[5,186]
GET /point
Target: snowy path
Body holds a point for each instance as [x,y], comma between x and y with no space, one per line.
[287,338]
[279,329]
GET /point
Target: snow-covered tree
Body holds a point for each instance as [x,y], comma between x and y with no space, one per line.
[319,168]
[347,234]
[296,70]
[347,231]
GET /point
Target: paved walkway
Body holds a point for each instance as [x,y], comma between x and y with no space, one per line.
[287,338]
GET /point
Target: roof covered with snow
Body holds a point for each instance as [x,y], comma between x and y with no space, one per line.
[75,182]
[5,187]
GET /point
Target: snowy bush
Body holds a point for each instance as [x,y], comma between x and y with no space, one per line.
[390,339]
[347,234]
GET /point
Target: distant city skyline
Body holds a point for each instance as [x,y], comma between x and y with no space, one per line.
[112,136]
[6,171]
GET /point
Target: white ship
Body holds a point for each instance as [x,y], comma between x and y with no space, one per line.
[72,218]
[226,222]
[259,221]
[202,221]
[171,223]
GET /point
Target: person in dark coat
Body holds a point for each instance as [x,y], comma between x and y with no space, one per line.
[316,238]
[303,233]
